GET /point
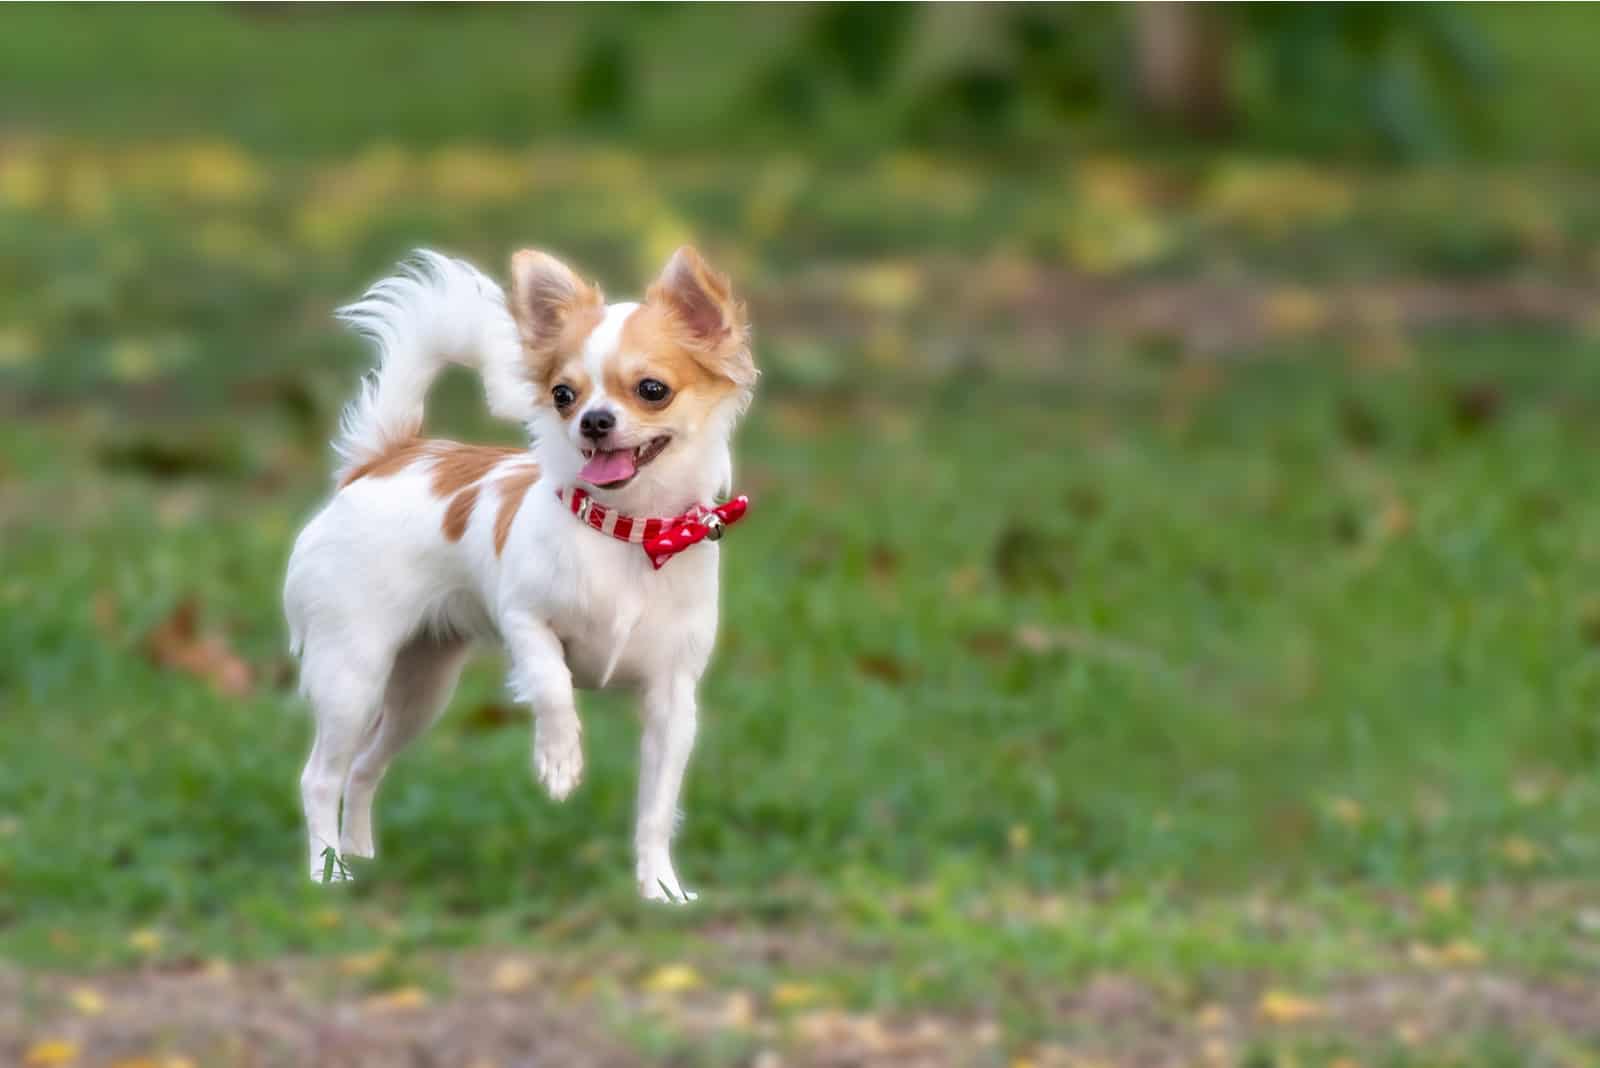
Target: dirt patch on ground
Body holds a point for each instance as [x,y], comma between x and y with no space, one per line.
[302,1013]
[480,1010]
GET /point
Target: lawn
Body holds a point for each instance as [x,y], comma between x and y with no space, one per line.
[1095,685]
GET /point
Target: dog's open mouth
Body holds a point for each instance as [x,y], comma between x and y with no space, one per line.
[615,468]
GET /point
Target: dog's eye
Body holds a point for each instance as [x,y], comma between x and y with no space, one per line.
[563,396]
[653,390]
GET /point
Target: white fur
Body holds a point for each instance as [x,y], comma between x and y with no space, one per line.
[382,607]
[437,311]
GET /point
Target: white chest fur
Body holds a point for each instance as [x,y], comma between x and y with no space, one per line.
[619,620]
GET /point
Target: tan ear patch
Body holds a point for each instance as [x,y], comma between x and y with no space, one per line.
[701,315]
[554,310]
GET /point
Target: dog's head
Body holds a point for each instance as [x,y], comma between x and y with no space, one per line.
[638,400]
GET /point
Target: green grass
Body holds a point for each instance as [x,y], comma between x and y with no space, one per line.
[1045,657]
[1000,637]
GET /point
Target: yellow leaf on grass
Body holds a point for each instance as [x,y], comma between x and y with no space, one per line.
[510,976]
[886,287]
[24,181]
[327,919]
[133,360]
[50,1052]
[1440,897]
[673,979]
[220,172]
[787,995]
[1280,1006]
[963,581]
[145,940]
[401,999]
[17,346]
[1461,952]
[1346,811]
[363,963]
[87,1000]
[1520,851]
[1294,310]
[1019,837]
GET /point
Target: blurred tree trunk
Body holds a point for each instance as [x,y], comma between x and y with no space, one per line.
[1181,63]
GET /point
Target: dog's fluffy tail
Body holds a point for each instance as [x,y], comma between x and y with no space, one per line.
[435,312]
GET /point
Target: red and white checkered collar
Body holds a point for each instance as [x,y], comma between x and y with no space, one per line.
[661,539]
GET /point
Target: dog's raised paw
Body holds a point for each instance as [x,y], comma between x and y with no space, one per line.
[558,760]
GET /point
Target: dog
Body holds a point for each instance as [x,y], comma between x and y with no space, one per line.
[591,555]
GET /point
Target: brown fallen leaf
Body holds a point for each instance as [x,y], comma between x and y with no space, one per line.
[1477,405]
[176,644]
[883,667]
[103,608]
[492,715]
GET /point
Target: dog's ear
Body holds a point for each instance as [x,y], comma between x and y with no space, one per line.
[709,321]
[548,300]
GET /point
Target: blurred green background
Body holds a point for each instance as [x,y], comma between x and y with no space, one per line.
[1169,627]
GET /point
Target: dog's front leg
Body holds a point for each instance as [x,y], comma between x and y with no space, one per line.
[540,677]
[669,716]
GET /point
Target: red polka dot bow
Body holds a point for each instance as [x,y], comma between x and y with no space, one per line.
[661,539]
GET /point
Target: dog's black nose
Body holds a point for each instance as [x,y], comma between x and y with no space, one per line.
[597,424]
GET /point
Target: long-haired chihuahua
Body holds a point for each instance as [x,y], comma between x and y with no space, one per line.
[591,556]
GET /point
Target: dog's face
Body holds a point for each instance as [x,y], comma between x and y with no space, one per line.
[637,397]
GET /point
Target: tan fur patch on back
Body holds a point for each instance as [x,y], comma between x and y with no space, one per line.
[456,471]
[459,514]
[457,466]
[393,460]
[512,489]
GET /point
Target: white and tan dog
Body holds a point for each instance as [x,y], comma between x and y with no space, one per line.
[429,546]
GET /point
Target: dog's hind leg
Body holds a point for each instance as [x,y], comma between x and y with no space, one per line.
[346,692]
[424,676]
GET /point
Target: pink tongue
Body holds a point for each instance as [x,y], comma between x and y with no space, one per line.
[607,467]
